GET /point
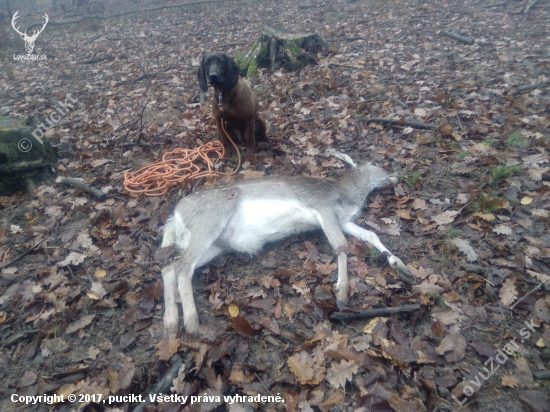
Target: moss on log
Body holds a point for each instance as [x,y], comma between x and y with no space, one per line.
[277,47]
[23,158]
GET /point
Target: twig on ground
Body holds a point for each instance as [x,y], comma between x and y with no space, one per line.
[372,313]
[541,284]
[458,37]
[307,119]
[531,86]
[92,61]
[417,125]
[400,103]
[163,386]
[528,7]
[98,194]
[488,6]
[22,255]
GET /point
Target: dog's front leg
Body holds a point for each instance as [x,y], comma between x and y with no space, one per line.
[250,133]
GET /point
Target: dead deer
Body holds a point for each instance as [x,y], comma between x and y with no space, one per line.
[244,215]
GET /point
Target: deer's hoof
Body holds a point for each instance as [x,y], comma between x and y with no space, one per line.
[406,276]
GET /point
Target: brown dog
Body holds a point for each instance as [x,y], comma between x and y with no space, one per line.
[239,103]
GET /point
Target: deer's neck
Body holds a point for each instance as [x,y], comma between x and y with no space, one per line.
[356,188]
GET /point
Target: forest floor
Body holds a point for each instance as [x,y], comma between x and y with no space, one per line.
[82,313]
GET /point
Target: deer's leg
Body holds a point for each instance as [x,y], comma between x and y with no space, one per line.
[336,238]
[210,218]
[170,305]
[185,289]
[371,238]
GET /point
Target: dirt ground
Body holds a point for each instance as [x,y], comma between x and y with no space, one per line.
[82,312]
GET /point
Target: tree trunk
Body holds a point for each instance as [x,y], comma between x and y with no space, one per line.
[279,48]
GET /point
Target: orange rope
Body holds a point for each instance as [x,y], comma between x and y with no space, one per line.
[178,166]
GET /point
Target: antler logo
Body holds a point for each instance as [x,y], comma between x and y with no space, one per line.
[29,40]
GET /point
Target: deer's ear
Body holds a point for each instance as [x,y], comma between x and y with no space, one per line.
[202,76]
[231,73]
[344,158]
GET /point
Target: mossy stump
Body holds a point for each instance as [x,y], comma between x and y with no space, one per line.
[24,160]
[279,48]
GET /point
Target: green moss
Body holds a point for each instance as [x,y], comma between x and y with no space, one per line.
[293,47]
[252,68]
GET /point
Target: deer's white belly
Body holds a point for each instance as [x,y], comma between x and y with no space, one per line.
[257,222]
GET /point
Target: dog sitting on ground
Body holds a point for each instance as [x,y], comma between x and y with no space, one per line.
[238,101]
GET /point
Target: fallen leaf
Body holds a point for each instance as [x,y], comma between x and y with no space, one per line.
[233,310]
[27,379]
[508,292]
[446,217]
[100,273]
[503,229]
[242,327]
[464,246]
[526,200]
[167,347]
[339,374]
[79,324]
[509,381]
[453,346]
[301,364]
[74,258]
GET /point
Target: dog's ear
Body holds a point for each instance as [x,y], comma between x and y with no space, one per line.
[202,76]
[231,73]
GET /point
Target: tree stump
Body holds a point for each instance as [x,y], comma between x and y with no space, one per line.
[25,161]
[278,48]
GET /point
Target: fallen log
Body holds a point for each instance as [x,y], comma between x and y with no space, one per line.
[98,194]
[458,37]
[373,313]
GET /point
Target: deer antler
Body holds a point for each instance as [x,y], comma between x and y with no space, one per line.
[13,24]
[36,33]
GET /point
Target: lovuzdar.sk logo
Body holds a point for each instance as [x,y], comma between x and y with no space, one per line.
[29,39]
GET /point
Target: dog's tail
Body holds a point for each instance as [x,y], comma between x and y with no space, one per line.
[260,127]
